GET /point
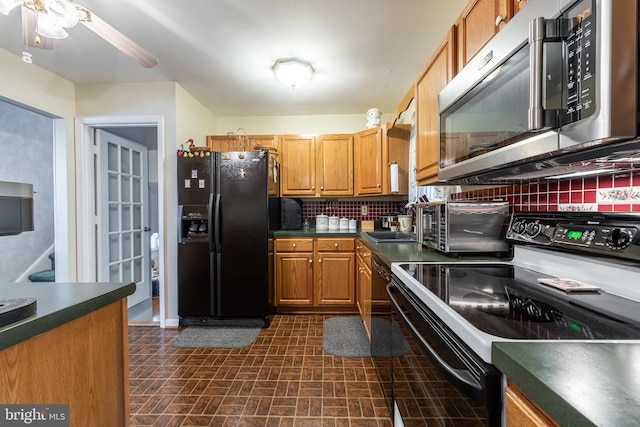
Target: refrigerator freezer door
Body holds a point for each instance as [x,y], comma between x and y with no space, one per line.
[194,293]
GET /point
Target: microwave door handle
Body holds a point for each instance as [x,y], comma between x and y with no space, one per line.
[536,73]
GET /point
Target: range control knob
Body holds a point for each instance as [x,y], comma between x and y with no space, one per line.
[619,239]
[532,229]
[518,227]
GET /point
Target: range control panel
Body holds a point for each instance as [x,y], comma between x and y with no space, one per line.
[607,234]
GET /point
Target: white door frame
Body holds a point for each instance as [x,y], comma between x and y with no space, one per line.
[85,192]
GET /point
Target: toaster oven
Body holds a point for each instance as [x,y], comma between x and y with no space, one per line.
[463,226]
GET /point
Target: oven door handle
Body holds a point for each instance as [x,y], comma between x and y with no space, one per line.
[463,377]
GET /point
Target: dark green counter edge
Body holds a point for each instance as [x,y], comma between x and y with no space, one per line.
[31,328]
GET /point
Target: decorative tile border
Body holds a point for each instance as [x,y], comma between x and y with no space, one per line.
[619,195]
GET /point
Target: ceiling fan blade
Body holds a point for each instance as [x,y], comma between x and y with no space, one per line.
[120,41]
[29,35]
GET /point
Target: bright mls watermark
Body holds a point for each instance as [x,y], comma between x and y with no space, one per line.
[34,415]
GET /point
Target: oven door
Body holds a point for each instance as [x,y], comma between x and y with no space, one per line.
[437,379]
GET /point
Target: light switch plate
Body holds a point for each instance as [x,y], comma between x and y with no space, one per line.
[364,210]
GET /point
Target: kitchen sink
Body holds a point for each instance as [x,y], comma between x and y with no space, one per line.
[390,236]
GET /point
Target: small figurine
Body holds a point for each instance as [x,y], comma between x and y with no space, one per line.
[373,118]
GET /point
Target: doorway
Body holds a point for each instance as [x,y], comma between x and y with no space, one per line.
[97,246]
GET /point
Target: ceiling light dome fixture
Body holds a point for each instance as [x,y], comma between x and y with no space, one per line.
[293,72]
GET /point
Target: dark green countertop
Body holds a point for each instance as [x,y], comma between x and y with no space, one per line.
[388,252]
[576,384]
[57,303]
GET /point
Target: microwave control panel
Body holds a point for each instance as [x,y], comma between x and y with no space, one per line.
[616,235]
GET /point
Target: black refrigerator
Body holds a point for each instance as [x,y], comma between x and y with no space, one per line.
[228,209]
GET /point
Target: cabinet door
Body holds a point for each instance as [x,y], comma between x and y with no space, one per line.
[368,162]
[334,279]
[477,24]
[438,72]
[522,412]
[294,279]
[334,165]
[220,143]
[297,165]
[517,5]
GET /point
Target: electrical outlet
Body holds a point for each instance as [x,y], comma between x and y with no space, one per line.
[364,210]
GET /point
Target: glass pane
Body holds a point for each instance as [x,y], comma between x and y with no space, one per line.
[126,167]
[126,189]
[492,115]
[136,190]
[126,245]
[114,273]
[114,191]
[137,217]
[136,163]
[137,270]
[114,218]
[126,217]
[137,243]
[127,275]
[114,248]
[112,158]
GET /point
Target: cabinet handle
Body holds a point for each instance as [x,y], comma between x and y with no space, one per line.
[336,245]
[499,19]
[313,187]
[378,185]
[320,260]
[294,245]
[310,261]
[321,188]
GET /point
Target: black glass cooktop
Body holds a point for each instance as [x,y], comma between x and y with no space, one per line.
[508,301]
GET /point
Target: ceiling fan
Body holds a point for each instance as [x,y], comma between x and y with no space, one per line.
[46,20]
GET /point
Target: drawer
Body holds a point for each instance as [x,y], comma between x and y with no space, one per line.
[294,245]
[335,244]
[363,252]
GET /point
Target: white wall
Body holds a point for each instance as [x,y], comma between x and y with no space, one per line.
[193,120]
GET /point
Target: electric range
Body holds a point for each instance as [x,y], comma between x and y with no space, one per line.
[592,257]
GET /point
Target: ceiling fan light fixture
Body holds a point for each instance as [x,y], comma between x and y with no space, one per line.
[7,6]
[293,72]
[47,26]
[62,11]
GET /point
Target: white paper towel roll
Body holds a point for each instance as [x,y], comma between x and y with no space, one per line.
[393,172]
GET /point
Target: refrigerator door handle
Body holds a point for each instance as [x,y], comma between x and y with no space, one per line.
[210,221]
[217,224]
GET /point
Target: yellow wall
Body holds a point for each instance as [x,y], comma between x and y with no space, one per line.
[278,125]
[193,120]
[40,90]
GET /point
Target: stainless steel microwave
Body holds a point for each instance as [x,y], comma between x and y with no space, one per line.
[557,89]
[463,226]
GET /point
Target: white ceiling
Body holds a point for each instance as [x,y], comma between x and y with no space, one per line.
[366,53]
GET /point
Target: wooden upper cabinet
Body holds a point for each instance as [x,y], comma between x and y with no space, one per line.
[478,23]
[334,165]
[297,165]
[517,5]
[224,143]
[367,149]
[439,71]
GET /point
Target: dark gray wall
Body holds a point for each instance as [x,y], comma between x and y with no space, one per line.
[26,155]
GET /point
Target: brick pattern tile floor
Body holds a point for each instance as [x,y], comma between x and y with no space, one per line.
[283,379]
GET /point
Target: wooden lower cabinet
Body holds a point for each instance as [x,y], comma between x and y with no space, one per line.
[83,363]
[315,273]
[363,285]
[521,411]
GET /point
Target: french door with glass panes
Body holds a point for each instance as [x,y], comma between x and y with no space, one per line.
[123,235]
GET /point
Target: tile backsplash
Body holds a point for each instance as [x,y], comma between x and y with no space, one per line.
[609,193]
[350,209]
